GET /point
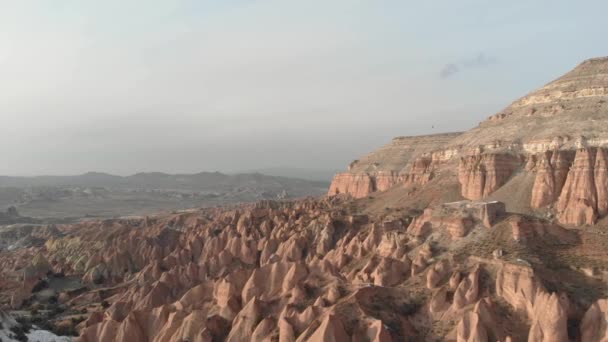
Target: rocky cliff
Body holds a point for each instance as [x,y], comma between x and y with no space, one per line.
[404,160]
[556,134]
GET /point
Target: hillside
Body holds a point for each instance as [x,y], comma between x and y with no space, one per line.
[549,147]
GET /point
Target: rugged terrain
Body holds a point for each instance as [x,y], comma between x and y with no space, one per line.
[494,234]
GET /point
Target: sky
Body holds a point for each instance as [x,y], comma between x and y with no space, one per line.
[125,86]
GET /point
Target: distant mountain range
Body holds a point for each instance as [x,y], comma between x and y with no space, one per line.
[102,194]
[302,173]
[202,180]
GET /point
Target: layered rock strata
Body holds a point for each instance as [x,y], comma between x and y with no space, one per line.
[458,218]
[575,183]
[409,160]
[480,175]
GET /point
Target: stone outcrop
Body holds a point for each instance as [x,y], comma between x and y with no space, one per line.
[548,312]
[594,325]
[550,320]
[471,329]
[583,197]
[557,132]
[575,182]
[406,160]
[356,185]
[305,270]
[467,291]
[481,324]
[458,218]
[480,175]
[245,322]
[551,171]
[529,229]
[331,330]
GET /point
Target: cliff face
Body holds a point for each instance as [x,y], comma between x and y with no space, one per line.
[558,134]
[551,171]
[583,197]
[406,160]
[356,185]
[481,175]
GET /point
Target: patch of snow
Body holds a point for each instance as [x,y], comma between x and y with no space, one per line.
[6,335]
[46,336]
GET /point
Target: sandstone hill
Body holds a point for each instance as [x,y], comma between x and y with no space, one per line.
[547,149]
[471,236]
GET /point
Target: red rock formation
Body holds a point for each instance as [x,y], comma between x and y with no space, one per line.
[527,229]
[245,322]
[482,174]
[594,325]
[405,160]
[470,329]
[468,290]
[304,270]
[551,171]
[421,171]
[437,273]
[601,181]
[548,312]
[458,218]
[356,185]
[421,225]
[319,270]
[458,227]
[550,319]
[331,330]
[577,203]
[384,180]
[578,182]
[361,185]
[519,287]
[481,324]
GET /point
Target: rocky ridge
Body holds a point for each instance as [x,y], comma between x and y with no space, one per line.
[555,134]
[409,160]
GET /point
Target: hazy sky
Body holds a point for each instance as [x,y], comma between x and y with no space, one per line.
[182,86]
